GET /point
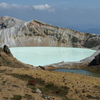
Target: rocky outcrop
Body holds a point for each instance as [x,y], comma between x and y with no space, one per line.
[95,61]
[36,33]
[7,50]
[43,68]
[8,22]
[7,59]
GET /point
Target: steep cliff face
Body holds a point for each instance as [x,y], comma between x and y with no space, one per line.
[36,33]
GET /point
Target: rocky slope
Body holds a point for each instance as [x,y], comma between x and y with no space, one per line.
[36,33]
[8,22]
[7,59]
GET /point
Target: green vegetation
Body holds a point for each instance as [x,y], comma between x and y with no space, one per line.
[15,86]
[5,98]
[9,89]
[97,87]
[2,71]
[0,90]
[71,99]
[16,97]
[46,88]
[3,61]
[89,96]
[29,97]
[4,82]
[49,86]
[22,77]
[51,89]
[95,69]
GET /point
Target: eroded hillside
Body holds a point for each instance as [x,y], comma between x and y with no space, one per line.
[36,33]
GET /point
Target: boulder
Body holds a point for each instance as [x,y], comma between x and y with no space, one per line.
[95,61]
[7,50]
[38,91]
[42,67]
[32,82]
[45,96]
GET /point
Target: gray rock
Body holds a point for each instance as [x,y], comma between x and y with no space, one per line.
[45,96]
[7,50]
[8,22]
[95,61]
[38,91]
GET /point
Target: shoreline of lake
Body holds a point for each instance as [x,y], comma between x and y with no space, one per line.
[78,71]
[82,64]
[50,55]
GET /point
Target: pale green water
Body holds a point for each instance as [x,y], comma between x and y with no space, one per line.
[48,55]
[79,71]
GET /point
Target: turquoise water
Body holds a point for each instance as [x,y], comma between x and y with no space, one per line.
[48,55]
[79,71]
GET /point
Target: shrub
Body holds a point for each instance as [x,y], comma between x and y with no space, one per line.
[16,97]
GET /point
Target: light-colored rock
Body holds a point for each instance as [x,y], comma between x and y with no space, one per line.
[36,33]
[8,22]
[45,96]
[38,91]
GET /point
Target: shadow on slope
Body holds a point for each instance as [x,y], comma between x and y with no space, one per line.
[9,60]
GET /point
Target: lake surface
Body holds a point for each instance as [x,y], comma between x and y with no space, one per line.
[48,55]
[79,71]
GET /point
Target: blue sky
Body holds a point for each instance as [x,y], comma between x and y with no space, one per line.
[64,13]
[59,3]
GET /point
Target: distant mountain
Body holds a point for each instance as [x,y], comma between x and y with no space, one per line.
[86,28]
[92,30]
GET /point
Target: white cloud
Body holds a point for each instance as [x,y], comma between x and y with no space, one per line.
[20,6]
[16,6]
[36,7]
[4,5]
[41,7]
[7,6]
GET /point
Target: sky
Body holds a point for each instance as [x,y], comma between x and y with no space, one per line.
[82,14]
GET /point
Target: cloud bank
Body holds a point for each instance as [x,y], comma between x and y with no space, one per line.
[46,7]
